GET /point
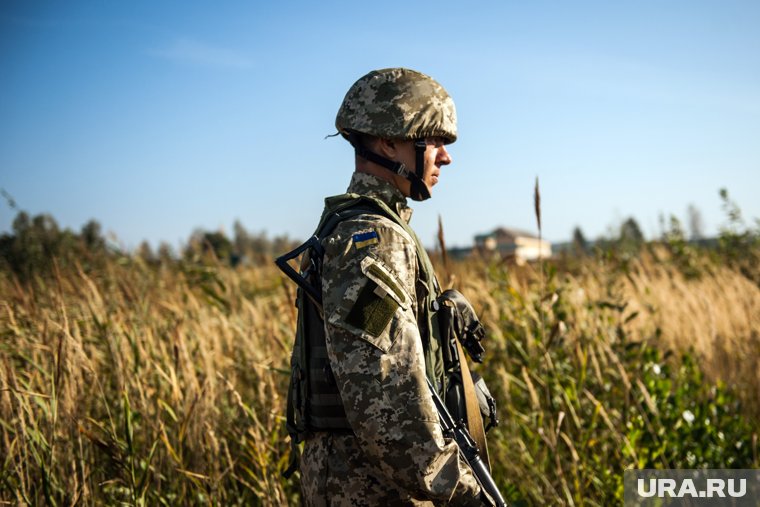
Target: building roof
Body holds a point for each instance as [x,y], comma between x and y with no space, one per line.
[505,232]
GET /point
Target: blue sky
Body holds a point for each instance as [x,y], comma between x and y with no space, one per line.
[159,117]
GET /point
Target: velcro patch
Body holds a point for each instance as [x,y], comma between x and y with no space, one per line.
[365,239]
[372,313]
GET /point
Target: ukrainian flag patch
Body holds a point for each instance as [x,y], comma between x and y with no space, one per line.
[365,239]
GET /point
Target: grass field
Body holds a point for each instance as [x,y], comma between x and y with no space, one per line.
[135,383]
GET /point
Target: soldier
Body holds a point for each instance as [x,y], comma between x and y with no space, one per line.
[379,442]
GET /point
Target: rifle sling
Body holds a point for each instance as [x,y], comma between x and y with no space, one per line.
[474,418]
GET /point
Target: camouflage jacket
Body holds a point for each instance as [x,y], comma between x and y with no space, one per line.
[397,454]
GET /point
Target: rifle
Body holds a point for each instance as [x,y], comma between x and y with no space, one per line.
[468,449]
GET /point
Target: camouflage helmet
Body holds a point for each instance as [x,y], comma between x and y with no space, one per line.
[398,103]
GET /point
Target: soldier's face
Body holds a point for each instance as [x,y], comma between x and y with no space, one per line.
[436,156]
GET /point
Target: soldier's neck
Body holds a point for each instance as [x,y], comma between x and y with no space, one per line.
[401,183]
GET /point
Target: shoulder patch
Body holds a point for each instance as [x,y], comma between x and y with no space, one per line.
[373,309]
[363,239]
[378,300]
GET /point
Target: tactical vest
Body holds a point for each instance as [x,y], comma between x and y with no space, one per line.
[314,403]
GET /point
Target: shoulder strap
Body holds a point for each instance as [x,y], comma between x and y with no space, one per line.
[333,219]
[472,409]
[330,219]
[341,207]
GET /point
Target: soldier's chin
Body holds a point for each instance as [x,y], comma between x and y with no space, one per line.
[420,198]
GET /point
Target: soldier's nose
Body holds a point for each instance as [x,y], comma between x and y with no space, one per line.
[443,158]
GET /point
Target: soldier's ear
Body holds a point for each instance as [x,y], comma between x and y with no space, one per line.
[387,148]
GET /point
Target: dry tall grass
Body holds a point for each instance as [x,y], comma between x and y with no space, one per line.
[716,315]
[144,386]
[165,385]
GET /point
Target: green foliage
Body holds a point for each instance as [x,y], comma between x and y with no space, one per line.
[685,255]
[244,248]
[738,244]
[37,246]
[218,244]
[579,243]
[631,238]
[686,422]
[585,402]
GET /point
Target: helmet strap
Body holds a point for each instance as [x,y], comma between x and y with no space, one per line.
[419,190]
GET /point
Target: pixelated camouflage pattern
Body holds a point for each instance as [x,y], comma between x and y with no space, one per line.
[397,455]
[398,103]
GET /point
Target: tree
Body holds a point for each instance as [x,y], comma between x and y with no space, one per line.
[217,243]
[165,252]
[242,239]
[580,245]
[92,236]
[145,252]
[630,233]
[696,224]
[37,244]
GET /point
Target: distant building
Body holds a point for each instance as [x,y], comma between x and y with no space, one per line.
[459,253]
[512,243]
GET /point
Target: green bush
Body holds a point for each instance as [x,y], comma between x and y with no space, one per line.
[584,402]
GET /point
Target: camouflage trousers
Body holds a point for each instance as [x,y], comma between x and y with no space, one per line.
[335,473]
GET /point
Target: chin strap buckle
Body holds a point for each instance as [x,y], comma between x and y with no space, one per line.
[420,146]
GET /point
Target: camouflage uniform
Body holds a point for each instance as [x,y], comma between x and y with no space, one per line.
[397,454]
